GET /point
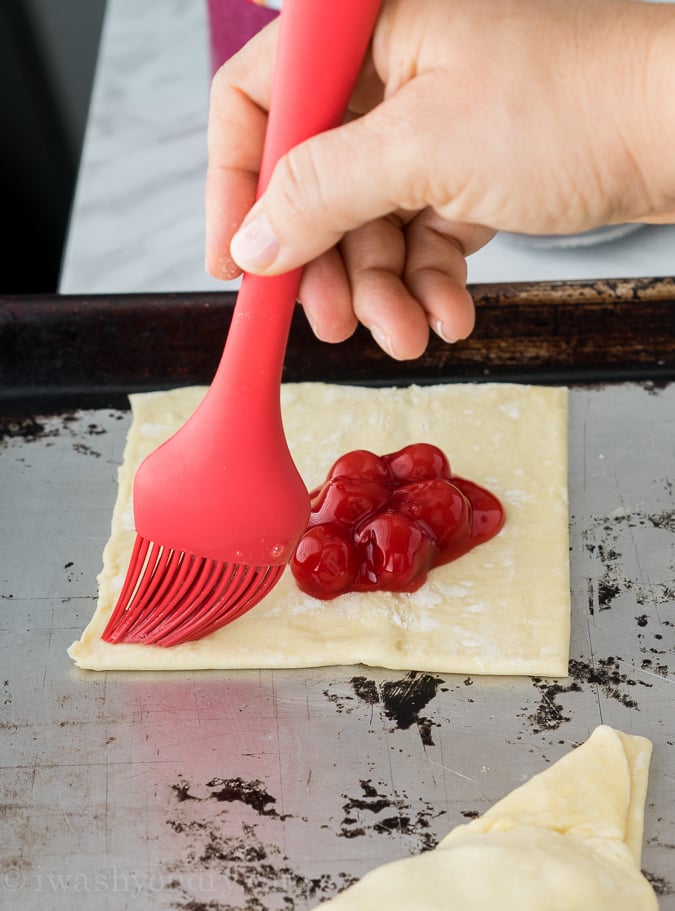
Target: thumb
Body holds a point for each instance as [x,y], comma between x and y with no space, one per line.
[331,184]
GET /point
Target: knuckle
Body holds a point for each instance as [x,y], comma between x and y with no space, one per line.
[301,188]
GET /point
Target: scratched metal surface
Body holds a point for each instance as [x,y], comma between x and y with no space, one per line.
[219,791]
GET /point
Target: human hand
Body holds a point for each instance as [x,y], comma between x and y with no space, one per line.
[469,117]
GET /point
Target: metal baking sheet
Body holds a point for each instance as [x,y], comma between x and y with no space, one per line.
[216,791]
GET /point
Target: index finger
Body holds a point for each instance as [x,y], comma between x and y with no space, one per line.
[238,105]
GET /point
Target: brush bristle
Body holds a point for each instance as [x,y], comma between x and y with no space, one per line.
[170,596]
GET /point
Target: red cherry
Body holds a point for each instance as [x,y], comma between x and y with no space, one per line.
[396,552]
[360,463]
[442,508]
[347,500]
[418,462]
[325,562]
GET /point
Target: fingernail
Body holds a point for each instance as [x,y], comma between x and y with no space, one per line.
[224,269]
[383,340]
[316,331]
[440,330]
[255,245]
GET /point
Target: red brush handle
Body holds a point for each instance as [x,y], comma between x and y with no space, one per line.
[320,50]
[321,47]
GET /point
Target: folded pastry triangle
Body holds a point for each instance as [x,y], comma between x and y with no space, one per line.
[567,840]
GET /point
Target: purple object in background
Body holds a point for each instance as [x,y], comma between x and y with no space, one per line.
[231,24]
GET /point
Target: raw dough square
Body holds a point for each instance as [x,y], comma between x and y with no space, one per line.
[503,608]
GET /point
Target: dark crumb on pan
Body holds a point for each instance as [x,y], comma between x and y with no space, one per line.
[404,699]
[353,833]
[549,715]
[661,669]
[655,387]
[192,905]
[470,814]
[372,811]
[32,428]
[401,701]
[26,429]
[605,673]
[591,598]
[71,573]
[231,790]
[660,885]
[372,802]
[83,449]
[256,871]
[424,726]
[252,793]
[602,672]
[368,789]
[182,791]
[241,866]
[398,824]
[607,592]
[664,520]
[365,689]
[606,542]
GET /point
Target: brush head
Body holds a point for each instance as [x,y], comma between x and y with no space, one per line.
[225,486]
[170,596]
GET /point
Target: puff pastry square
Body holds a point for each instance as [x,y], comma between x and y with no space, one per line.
[503,608]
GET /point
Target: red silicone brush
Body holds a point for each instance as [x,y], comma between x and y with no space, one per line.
[219,507]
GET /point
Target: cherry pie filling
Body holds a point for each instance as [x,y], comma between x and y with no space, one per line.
[380,523]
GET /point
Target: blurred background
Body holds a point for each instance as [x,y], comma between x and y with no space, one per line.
[101,176]
[48,51]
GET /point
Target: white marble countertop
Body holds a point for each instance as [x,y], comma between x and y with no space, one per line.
[137,218]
